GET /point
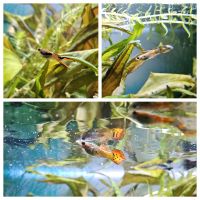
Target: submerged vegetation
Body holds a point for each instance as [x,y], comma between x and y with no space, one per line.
[160,157]
[132,20]
[70,32]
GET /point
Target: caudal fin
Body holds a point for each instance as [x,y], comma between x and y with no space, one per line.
[118,156]
[190,133]
[118,133]
[182,127]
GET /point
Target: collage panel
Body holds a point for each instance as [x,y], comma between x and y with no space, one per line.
[100,149]
[50,50]
[149,50]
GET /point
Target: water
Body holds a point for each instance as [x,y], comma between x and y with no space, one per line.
[23,122]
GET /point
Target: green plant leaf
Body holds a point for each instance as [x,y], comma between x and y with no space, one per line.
[186,29]
[165,28]
[140,177]
[158,82]
[184,91]
[113,76]
[118,28]
[194,67]
[115,49]
[12,65]
[84,62]
[78,186]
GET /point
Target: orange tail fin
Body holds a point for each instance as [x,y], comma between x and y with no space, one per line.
[118,156]
[190,133]
[118,133]
[181,126]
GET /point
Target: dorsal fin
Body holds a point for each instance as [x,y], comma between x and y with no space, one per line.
[118,133]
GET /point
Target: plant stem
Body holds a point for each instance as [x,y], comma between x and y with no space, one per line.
[170,22]
[84,62]
[118,28]
[193,16]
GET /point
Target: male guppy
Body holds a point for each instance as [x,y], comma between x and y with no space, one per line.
[117,156]
[102,136]
[49,54]
[148,118]
[139,59]
[132,65]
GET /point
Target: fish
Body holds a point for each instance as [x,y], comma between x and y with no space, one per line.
[155,105]
[103,135]
[188,146]
[49,54]
[149,118]
[116,76]
[115,155]
[145,55]
[18,142]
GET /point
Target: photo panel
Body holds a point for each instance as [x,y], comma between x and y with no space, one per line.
[100,149]
[149,50]
[50,50]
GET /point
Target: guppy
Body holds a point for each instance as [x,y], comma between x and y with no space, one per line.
[150,118]
[116,155]
[103,135]
[49,54]
[116,76]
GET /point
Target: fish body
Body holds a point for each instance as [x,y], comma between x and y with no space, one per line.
[49,54]
[139,59]
[117,156]
[150,118]
[103,135]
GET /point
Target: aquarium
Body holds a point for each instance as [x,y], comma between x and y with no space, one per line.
[100,149]
[149,50]
[50,50]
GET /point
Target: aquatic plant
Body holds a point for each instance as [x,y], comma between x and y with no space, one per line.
[78,186]
[72,33]
[165,19]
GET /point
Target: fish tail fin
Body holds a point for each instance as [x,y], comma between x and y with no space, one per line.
[189,133]
[118,133]
[181,126]
[118,156]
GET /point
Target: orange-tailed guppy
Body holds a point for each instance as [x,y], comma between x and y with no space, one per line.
[115,155]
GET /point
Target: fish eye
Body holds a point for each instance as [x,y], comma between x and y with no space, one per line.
[134,112]
[137,58]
